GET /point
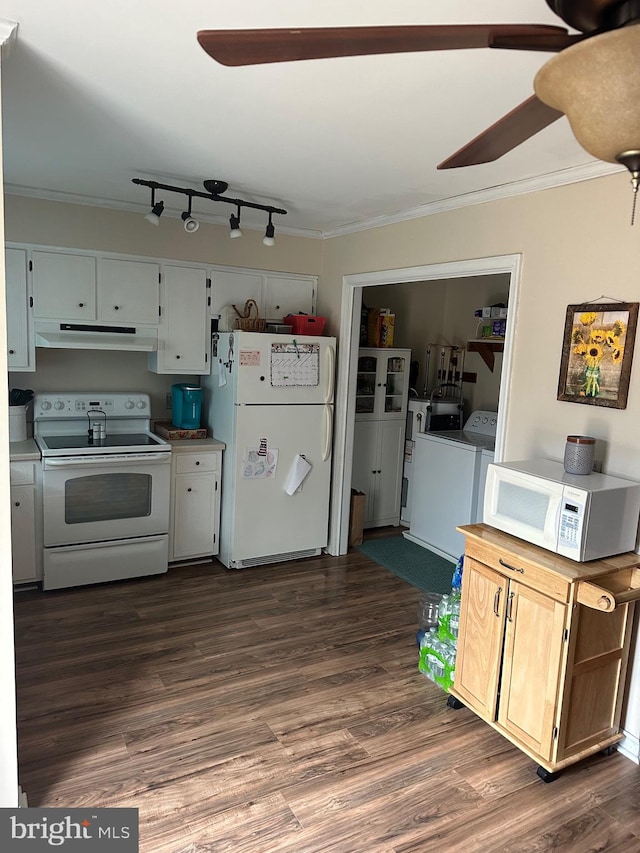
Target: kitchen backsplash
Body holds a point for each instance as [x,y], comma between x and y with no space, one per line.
[89,370]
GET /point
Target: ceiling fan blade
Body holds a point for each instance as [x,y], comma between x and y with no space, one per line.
[253,47]
[511,130]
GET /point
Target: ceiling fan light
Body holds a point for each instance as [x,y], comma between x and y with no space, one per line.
[596,84]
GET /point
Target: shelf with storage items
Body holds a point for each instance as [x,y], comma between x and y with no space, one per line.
[486,348]
[563,703]
[382,383]
[382,389]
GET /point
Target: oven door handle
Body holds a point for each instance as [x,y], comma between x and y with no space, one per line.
[110,461]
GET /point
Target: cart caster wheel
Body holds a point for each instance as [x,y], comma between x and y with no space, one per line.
[452,702]
[608,750]
[547,775]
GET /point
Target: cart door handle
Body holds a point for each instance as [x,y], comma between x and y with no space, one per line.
[496,601]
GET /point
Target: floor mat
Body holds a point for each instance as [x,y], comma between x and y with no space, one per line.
[416,565]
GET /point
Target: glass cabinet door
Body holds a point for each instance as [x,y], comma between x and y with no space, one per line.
[366,385]
[382,383]
[396,379]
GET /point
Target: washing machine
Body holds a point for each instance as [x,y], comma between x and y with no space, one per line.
[449,470]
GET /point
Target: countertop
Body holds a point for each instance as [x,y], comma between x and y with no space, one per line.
[195,445]
[20,451]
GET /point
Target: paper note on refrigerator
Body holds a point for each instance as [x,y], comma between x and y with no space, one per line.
[260,464]
[299,470]
[295,364]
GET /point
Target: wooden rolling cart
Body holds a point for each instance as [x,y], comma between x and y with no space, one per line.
[543,646]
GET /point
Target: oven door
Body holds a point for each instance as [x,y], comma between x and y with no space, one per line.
[105,498]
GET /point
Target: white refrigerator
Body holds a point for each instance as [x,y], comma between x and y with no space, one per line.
[270,399]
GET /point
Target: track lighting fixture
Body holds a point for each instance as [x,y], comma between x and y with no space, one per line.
[234,222]
[190,224]
[156,210]
[269,234]
[214,192]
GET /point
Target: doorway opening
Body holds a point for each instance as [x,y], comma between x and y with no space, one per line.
[352,296]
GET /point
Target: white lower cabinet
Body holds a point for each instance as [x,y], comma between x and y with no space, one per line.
[378,449]
[26,538]
[195,504]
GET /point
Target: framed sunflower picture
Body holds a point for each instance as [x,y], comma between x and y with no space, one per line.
[597,352]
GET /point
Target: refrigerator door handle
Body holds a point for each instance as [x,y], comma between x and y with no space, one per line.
[331,369]
[328,433]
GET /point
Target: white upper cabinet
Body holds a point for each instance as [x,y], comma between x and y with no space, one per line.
[233,288]
[288,295]
[64,286]
[20,344]
[128,291]
[183,341]
[80,288]
[275,294]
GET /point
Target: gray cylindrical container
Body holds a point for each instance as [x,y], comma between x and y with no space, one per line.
[579,454]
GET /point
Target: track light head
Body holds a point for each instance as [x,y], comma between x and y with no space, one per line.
[234,223]
[190,224]
[269,234]
[155,213]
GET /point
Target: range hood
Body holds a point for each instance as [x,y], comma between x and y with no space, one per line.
[96,337]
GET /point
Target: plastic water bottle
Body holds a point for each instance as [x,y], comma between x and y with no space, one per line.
[456,580]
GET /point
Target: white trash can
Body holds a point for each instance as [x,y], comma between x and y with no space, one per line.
[17,423]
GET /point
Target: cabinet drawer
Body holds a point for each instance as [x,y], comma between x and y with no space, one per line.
[513,565]
[190,463]
[22,473]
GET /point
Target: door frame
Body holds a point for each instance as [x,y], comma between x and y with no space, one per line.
[352,287]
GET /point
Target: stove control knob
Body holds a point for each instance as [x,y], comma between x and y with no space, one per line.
[59,405]
[141,404]
[129,404]
[45,405]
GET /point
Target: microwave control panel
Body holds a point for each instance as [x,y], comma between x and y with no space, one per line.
[572,514]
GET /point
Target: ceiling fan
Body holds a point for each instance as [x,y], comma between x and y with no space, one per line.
[594,78]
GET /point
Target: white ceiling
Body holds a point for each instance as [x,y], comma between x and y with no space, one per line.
[97,93]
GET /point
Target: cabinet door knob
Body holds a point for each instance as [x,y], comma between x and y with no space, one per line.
[197,463]
[17,503]
[189,489]
[116,307]
[177,356]
[80,304]
[12,352]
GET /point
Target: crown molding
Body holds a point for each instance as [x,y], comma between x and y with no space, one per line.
[576,174]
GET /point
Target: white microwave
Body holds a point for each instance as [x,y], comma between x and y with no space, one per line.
[581,517]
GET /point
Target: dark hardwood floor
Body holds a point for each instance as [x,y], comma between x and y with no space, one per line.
[280,710]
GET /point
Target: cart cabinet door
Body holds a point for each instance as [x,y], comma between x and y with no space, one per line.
[480,638]
[534,645]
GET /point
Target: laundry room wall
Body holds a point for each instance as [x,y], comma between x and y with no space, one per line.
[442,312]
